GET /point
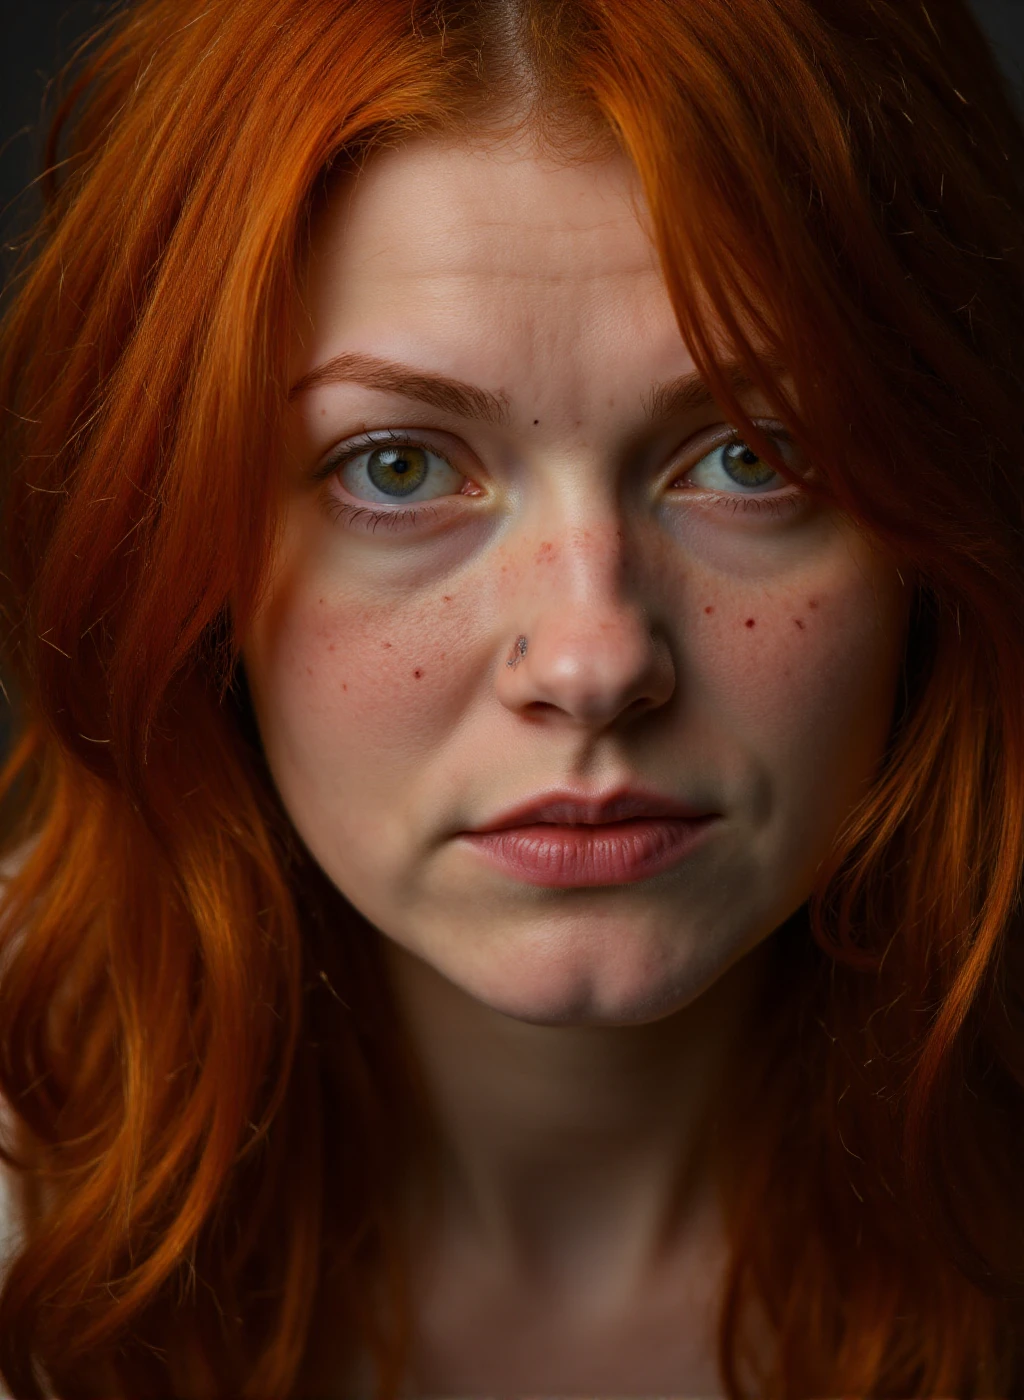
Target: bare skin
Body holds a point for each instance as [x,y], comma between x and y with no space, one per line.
[747,662]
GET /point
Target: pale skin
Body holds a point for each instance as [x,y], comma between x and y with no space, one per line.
[741,660]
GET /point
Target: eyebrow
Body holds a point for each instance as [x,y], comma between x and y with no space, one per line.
[688,393]
[437,390]
[674,399]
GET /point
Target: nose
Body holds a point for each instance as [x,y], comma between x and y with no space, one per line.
[590,652]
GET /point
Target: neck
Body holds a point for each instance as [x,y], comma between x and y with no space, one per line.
[573,1157]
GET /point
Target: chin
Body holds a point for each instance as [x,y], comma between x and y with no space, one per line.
[590,996]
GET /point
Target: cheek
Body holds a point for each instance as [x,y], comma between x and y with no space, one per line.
[342,687]
[804,679]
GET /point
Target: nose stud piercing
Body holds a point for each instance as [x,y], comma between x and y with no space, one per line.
[518,652]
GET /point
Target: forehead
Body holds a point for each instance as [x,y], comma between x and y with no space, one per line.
[436,206]
[494,248]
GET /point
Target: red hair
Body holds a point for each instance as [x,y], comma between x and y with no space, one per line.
[214,1104]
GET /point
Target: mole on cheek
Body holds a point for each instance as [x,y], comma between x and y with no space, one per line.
[709,610]
[751,622]
[417,673]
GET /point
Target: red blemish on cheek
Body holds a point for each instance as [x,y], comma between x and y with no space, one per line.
[545,552]
[344,686]
[812,602]
[386,646]
[750,622]
[309,670]
[417,673]
[447,598]
[331,647]
[709,610]
[800,623]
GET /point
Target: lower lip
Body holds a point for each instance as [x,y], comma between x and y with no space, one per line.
[571,857]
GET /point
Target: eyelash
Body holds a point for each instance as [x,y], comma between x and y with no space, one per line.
[367,517]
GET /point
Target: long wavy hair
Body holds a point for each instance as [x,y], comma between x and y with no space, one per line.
[212,1112]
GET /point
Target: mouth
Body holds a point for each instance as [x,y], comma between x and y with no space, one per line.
[561,855]
[573,810]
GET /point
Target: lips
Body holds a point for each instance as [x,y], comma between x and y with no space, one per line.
[574,809]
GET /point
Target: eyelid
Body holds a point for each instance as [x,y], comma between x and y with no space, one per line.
[410,437]
[721,434]
[366,441]
[702,443]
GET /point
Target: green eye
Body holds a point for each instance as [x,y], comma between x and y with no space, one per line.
[738,460]
[397,471]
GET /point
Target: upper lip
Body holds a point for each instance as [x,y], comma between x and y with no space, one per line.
[573,809]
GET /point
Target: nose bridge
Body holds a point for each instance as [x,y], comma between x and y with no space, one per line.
[578,600]
[581,567]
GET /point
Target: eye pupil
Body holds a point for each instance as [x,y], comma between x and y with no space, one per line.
[737,456]
[740,452]
[397,467]
[390,457]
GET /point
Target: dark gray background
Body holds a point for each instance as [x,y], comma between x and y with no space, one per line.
[37,36]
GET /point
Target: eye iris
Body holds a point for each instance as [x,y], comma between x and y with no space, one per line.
[737,455]
[397,470]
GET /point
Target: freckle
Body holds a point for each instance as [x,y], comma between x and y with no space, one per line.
[443,654]
[536,421]
[331,647]
[309,670]
[800,623]
[812,602]
[417,673]
[344,687]
[709,610]
[750,622]
[447,598]
[386,646]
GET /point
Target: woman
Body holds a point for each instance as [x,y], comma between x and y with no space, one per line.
[559,934]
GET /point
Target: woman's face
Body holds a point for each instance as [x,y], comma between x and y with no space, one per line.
[570,490]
